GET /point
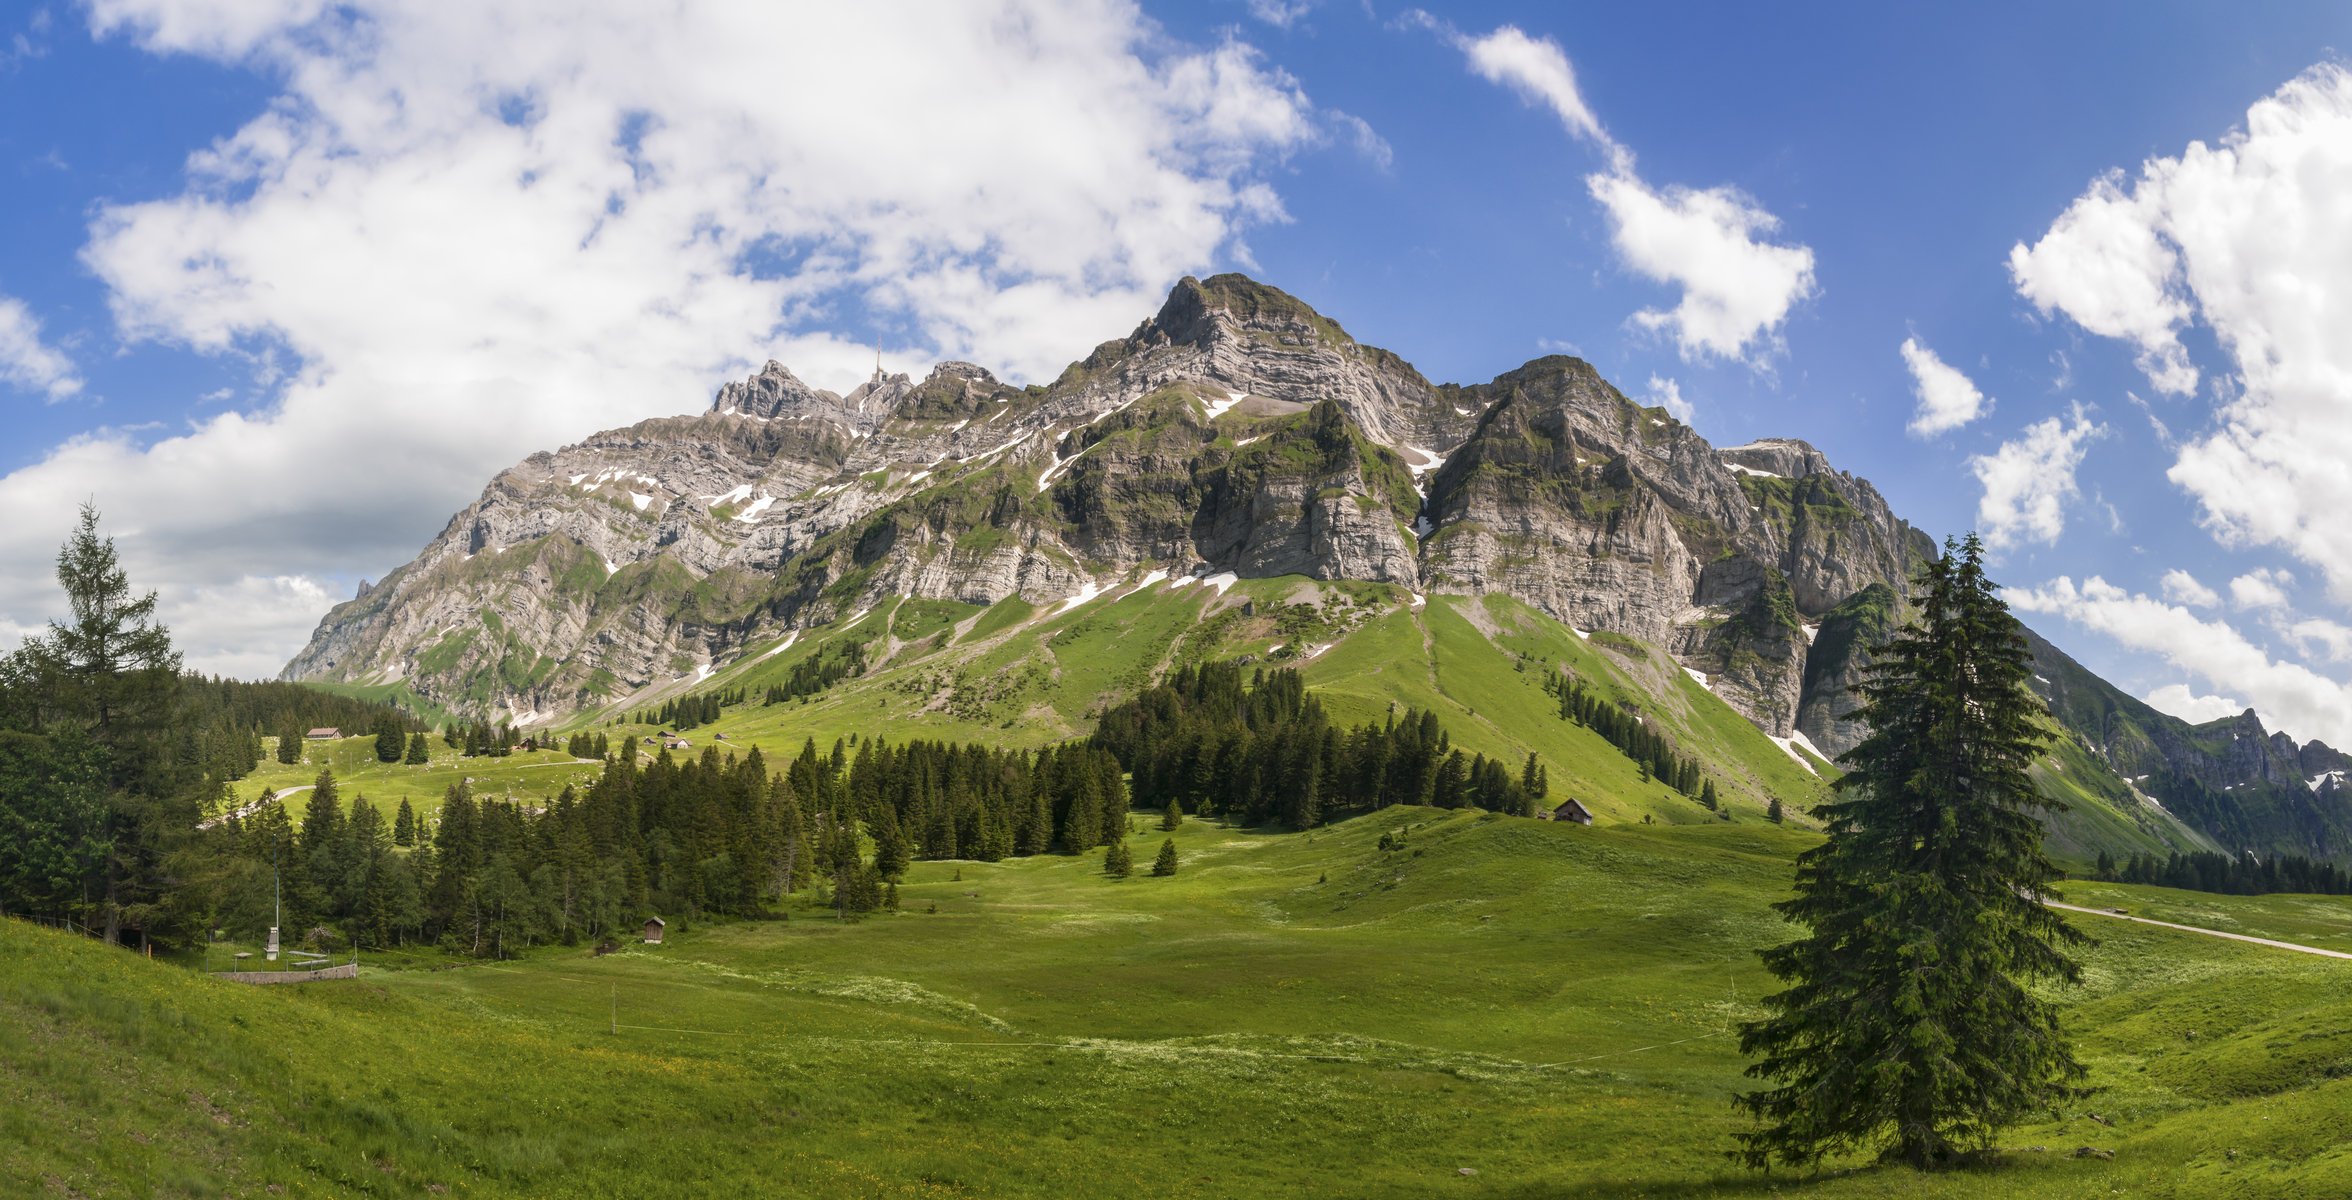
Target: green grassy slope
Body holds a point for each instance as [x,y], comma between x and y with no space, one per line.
[1022,675]
[531,778]
[1291,1014]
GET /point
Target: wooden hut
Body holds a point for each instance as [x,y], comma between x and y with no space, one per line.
[653,931]
[324,734]
[1570,810]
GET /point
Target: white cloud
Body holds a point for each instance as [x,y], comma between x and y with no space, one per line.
[2184,702]
[2334,639]
[2180,587]
[26,361]
[1737,288]
[476,230]
[1282,14]
[2103,264]
[1538,70]
[2287,695]
[2264,587]
[2250,236]
[1366,140]
[1947,399]
[2028,481]
[1669,393]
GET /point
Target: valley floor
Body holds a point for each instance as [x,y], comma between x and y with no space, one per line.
[1550,1007]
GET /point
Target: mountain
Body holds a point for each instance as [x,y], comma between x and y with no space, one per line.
[1237,434]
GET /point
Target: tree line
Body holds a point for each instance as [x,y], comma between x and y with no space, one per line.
[2228,875]
[1623,727]
[1263,751]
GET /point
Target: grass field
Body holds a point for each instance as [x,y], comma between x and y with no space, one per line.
[530,778]
[1292,1014]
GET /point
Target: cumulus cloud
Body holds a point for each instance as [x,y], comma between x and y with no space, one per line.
[2105,264]
[1737,286]
[2262,588]
[2287,695]
[2249,236]
[1947,398]
[26,361]
[2180,587]
[2328,637]
[470,231]
[2184,702]
[2028,481]
[1669,393]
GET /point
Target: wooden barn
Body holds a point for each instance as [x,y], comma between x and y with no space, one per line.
[653,931]
[326,734]
[1570,810]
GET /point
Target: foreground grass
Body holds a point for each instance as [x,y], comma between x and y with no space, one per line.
[1291,1014]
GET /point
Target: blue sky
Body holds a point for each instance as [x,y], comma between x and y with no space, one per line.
[282,283]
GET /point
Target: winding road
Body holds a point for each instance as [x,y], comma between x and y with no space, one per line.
[2235,937]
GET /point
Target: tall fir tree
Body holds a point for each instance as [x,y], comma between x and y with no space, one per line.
[1909,1023]
[1119,861]
[419,753]
[1165,864]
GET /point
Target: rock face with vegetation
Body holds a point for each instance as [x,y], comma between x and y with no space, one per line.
[1237,430]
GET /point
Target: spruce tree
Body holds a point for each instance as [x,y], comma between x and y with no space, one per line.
[1165,864]
[1908,1024]
[391,743]
[1119,861]
[418,752]
[1773,812]
[1173,815]
[290,741]
[404,826]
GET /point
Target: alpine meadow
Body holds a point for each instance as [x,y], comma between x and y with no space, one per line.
[886,732]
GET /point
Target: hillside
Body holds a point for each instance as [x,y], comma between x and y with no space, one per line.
[1544,1005]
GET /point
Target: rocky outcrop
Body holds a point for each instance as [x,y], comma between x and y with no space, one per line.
[1235,430]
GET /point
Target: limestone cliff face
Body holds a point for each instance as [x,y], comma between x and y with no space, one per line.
[1235,430]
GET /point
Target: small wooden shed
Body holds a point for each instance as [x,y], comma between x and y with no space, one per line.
[1570,810]
[653,931]
[324,734]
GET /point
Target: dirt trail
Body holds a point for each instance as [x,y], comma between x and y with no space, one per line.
[2235,937]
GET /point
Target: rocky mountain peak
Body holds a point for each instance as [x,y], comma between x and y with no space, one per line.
[1201,313]
[772,392]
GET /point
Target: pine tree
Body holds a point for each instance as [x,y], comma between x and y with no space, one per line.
[1173,815]
[1119,861]
[290,741]
[1165,864]
[404,826]
[418,752]
[1772,811]
[1908,1022]
[391,743]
